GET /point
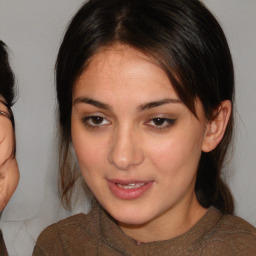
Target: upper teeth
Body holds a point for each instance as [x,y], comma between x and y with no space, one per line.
[130,186]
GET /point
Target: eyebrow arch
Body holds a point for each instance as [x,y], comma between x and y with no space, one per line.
[142,107]
[157,104]
[89,101]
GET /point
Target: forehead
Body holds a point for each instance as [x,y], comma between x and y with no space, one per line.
[123,70]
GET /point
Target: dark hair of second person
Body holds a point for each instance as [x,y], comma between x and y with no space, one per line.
[9,172]
[7,86]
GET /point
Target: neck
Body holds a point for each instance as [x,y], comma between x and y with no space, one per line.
[173,223]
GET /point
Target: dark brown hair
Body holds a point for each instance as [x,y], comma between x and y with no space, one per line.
[7,87]
[189,45]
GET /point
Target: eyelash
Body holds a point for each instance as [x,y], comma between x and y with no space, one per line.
[86,121]
[165,123]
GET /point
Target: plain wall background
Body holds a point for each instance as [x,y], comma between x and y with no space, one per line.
[33,30]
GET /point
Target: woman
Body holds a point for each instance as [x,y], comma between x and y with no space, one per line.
[9,173]
[145,92]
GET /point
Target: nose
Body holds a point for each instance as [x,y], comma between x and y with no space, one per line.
[126,150]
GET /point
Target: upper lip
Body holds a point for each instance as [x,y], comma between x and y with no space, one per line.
[125,182]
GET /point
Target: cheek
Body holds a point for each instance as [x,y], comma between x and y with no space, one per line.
[90,149]
[88,152]
[176,162]
[176,153]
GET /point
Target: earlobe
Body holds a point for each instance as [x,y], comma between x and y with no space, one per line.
[216,127]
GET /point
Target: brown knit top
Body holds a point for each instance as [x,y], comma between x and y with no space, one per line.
[97,234]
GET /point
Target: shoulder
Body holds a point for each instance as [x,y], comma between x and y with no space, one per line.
[231,236]
[53,238]
[236,227]
[237,224]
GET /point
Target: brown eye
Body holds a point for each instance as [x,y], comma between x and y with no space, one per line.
[95,121]
[160,122]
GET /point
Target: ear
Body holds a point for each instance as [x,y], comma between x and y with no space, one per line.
[216,127]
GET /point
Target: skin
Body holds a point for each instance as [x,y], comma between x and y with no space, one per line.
[9,172]
[127,143]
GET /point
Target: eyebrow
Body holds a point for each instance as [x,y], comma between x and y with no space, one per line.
[89,101]
[157,104]
[140,108]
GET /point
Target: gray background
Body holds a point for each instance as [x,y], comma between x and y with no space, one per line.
[33,30]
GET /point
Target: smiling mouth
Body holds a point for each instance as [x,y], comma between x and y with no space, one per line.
[129,190]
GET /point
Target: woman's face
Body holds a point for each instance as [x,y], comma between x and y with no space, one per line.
[138,146]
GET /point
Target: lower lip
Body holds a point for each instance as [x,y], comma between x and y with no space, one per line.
[129,194]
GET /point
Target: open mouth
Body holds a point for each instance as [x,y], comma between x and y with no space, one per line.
[130,186]
[129,189]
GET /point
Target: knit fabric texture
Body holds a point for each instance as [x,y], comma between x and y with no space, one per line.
[97,234]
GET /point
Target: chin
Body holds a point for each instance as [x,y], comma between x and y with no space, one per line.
[135,221]
[130,216]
